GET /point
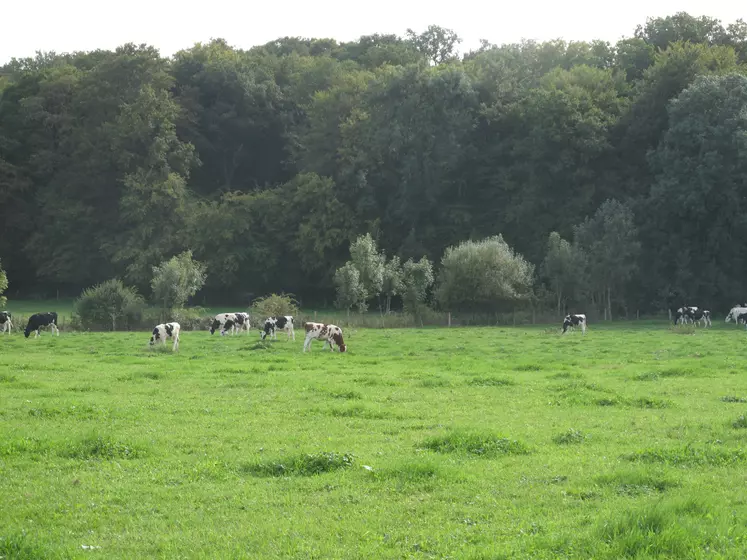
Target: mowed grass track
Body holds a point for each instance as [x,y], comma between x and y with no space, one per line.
[433,443]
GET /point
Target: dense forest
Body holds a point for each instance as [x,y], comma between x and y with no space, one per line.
[268,162]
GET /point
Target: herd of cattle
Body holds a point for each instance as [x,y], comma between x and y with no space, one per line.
[225,323]
[234,323]
[683,315]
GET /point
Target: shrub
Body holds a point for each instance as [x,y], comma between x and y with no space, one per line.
[273,306]
[109,305]
[417,278]
[176,280]
[483,275]
[191,318]
[350,290]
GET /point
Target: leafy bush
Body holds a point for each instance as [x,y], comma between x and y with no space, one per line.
[192,318]
[483,275]
[108,306]
[350,289]
[273,306]
[417,279]
[176,280]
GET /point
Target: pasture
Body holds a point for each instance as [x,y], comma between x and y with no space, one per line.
[418,443]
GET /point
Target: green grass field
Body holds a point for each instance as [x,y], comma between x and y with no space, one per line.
[474,443]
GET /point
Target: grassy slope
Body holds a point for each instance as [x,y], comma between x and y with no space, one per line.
[142,453]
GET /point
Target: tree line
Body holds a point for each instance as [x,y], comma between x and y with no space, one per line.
[618,170]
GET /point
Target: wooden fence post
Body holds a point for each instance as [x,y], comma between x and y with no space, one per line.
[449,319]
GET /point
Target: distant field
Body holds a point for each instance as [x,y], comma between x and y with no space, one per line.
[433,443]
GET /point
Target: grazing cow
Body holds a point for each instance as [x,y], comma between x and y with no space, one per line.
[327,333]
[226,322]
[573,321]
[274,324]
[39,320]
[166,330]
[242,321]
[696,315]
[742,318]
[679,316]
[683,314]
[5,321]
[735,312]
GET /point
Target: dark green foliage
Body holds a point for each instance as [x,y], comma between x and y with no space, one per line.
[267,163]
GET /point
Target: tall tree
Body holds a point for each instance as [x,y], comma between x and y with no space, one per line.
[436,43]
[563,268]
[610,239]
[696,215]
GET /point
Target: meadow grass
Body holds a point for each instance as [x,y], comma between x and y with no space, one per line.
[469,443]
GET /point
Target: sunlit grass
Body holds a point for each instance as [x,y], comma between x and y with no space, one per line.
[462,443]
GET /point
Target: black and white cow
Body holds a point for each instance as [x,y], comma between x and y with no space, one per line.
[5,323]
[166,330]
[572,321]
[39,320]
[696,315]
[225,322]
[242,321]
[742,318]
[281,323]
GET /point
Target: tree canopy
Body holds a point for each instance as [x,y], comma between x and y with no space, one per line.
[268,163]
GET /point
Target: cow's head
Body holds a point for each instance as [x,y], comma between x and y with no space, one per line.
[337,337]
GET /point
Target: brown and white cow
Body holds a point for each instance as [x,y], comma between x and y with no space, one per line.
[327,333]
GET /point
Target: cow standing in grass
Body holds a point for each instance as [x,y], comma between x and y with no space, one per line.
[274,324]
[166,330]
[242,321]
[735,313]
[5,323]
[225,322]
[39,320]
[572,321]
[696,315]
[327,333]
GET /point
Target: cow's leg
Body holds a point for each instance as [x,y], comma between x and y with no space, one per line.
[56,330]
[307,343]
[583,327]
[176,342]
